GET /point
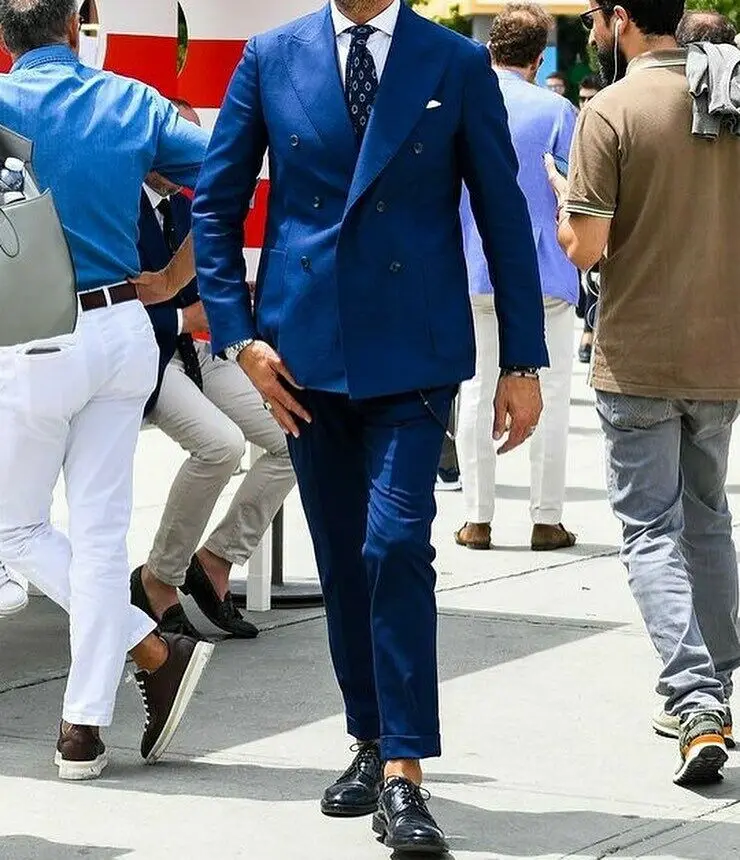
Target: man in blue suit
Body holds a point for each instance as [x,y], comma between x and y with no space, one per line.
[374,116]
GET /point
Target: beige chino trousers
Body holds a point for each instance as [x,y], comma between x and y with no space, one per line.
[212,425]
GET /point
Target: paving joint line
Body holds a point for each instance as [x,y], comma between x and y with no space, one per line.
[521,573]
[641,840]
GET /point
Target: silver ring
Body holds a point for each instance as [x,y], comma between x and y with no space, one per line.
[268,406]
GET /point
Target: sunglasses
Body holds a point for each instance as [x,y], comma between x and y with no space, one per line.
[587,18]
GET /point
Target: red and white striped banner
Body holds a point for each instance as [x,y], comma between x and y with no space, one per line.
[138,38]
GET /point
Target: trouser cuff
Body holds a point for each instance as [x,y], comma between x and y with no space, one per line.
[363,730]
[394,747]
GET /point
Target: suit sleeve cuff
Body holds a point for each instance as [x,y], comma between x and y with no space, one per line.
[180,321]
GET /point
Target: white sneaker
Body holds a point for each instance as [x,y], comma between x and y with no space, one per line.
[13,596]
[666,725]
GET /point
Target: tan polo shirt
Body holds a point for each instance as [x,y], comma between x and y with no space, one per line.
[669,323]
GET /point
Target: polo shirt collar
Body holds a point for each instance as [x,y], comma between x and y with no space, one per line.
[46,55]
[658,60]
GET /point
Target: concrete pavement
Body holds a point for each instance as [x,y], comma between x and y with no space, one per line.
[547,692]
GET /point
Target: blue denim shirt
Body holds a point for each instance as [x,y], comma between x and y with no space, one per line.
[540,122]
[95,137]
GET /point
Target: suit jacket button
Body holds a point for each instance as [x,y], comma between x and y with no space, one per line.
[395,267]
[317,201]
[306,264]
[380,206]
[418,148]
[294,140]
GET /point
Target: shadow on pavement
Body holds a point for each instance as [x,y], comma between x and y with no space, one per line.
[572,494]
[253,691]
[23,847]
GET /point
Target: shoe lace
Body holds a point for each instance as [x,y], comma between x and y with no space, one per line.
[365,760]
[139,681]
[412,795]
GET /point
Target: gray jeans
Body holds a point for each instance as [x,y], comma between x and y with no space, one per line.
[666,474]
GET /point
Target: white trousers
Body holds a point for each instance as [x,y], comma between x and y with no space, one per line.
[211,425]
[549,445]
[78,410]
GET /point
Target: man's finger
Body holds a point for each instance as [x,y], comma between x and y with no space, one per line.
[518,434]
[277,393]
[499,421]
[285,419]
[286,374]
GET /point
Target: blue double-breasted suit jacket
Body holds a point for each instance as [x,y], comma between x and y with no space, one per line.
[362,286]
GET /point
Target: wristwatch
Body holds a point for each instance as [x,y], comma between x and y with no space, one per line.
[522,372]
[233,352]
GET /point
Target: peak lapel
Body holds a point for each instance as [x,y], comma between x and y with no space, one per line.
[413,70]
[311,59]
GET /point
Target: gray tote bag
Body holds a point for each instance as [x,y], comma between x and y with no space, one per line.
[38,298]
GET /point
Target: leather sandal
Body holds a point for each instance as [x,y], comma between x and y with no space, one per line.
[472,544]
[546,538]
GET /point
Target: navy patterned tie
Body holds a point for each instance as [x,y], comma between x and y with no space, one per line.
[361,85]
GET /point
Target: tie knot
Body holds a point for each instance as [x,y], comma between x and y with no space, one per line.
[361,33]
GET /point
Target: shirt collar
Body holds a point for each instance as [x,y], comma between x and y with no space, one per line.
[46,55]
[154,198]
[658,60]
[385,22]
[510,74]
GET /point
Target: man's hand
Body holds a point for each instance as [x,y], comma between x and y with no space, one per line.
[266,370]
[517,410]
[194,319]
[154,287]
[558,182]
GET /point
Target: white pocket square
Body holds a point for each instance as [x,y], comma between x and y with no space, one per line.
[433,104]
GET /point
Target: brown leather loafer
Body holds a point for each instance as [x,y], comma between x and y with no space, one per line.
[167,692]
[546,538]
[80,752]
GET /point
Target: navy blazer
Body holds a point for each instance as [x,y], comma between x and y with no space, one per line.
[154,255]
[363,285]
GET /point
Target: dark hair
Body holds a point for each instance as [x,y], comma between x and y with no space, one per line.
[559,75]
[590,82]
[705,27]
[182,103]
[519,34]
[29,24]
[652,17]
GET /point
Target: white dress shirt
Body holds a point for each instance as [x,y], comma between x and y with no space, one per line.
[379,44]
[155,199]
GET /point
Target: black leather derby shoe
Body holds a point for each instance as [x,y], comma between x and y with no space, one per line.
[403,821]
[222,613]
[357,790]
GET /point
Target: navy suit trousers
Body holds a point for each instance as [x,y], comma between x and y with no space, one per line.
[366,471]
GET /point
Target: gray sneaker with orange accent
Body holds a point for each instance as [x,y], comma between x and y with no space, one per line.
[669,726]
[702,748]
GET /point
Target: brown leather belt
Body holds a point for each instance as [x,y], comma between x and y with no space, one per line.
[105,297]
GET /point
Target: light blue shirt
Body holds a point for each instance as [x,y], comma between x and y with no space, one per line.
[540,122]
[95,137]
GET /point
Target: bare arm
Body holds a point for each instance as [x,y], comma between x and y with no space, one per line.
[156,287]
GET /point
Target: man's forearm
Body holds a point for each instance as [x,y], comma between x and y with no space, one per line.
[181,268]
